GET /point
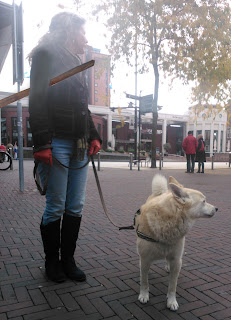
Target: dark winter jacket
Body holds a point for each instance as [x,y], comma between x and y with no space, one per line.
[61,110]
[200,155]
[190,144]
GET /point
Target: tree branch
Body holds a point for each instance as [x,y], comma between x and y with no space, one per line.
[144,44]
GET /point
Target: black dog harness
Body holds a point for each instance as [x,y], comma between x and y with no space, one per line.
[141,234]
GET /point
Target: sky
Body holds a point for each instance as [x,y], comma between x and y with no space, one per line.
[37,16]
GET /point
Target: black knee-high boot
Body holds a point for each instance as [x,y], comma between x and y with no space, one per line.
[69,236]
[199,167]
[51,242]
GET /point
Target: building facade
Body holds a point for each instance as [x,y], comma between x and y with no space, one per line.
[117,129]
[99,77]
[212,125]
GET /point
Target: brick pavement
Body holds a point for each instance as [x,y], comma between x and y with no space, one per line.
[109,257]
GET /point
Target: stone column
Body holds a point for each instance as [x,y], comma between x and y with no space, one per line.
[185,130]
[109,128]
[224,139]
[211,139]
[164,132]
[194,130]
[219,139]
[203,129]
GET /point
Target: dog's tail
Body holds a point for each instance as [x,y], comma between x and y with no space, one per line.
[159,185]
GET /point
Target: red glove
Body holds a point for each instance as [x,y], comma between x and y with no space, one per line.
[94,147]
[44,156]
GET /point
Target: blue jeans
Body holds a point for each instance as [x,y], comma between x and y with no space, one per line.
[190,162]
[66,188]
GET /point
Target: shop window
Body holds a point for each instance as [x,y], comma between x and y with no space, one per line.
[215,140]
[29,134]
[198,132]
[14,130]
[3,131]
[99,128]
[207,140]
[221,142]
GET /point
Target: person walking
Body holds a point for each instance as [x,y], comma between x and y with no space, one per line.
[189,145]
[15,151]
[64,136]
[200,154]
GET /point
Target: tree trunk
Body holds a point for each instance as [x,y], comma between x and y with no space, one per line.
[155,115]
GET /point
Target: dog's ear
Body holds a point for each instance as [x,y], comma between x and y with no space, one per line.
[178,193]
[173,180]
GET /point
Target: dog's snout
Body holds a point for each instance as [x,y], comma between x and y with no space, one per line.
[216,209]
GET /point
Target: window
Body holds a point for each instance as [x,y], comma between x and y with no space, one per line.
[221,142]
[207,140]
[96,91]
[198,132]
[215,140]
[3,131]
[29,134]
[99,128]
[14,130]
[96,84]
[96,99]
[228,133]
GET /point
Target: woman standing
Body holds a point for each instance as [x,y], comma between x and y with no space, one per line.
[62,128]
[200,154]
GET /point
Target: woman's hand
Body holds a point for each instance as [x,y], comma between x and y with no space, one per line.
[94,147]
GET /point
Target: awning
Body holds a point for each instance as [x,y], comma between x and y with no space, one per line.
[6,21]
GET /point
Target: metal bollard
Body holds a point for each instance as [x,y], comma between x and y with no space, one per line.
[160,161]
[229,159]
[131,160]
[98,161]
[11,153]
[212,160]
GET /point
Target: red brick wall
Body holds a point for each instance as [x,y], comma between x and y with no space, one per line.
[99,75]
[11,112]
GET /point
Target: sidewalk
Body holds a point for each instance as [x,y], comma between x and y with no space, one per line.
[166,165]
[109,256]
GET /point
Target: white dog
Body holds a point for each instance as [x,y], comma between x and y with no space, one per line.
[161,226]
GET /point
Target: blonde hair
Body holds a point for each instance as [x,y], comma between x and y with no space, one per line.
[200,136]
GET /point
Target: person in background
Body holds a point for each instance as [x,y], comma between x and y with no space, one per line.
[2,154]
[190,145]
[9,146]
[200,154]
[62,128]
[15,151]
[9,149]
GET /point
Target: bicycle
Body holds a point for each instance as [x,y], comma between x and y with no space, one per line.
[5,160]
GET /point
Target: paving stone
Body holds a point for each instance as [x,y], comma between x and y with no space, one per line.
[108,256]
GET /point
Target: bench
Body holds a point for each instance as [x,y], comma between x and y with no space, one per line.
[142,159]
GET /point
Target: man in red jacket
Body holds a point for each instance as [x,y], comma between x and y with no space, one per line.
[190,145]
